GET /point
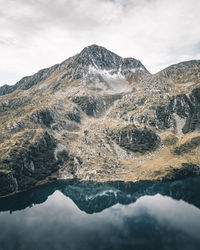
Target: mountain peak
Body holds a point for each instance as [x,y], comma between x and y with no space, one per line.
[93,47]
[93,60]
[100,58]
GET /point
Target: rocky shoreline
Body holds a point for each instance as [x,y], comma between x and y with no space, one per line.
[178,174]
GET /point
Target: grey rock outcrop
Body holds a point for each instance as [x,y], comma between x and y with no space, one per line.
[184,106]
[31,163]
[136,140]
[8,183]
[7,89]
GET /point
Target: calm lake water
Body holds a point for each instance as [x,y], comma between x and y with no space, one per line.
[88,216]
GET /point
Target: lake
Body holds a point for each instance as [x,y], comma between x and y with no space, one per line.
[76,215]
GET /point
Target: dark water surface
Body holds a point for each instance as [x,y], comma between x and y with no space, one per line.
[88,216]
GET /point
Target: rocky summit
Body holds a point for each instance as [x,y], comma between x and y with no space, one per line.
[100,117]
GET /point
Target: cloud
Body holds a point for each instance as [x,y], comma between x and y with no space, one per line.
[39,33]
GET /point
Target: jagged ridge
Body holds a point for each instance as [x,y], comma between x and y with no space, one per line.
[78,66]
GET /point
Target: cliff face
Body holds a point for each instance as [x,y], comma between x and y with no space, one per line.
[30,162]
[97,116]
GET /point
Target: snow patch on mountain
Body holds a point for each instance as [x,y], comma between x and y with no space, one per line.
[107,81]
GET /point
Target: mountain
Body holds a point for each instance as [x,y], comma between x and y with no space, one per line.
[100,117]
[91,61]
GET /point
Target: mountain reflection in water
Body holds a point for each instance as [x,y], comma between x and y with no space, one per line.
[117,215]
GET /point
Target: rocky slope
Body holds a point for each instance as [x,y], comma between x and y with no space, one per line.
[97,116]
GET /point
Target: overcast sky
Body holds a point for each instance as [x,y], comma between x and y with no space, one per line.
[35,34]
